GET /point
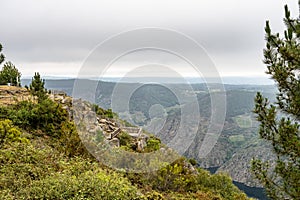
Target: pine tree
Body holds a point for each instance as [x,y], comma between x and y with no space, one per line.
[2,57]
[10,74]
[279,121]
[37,87]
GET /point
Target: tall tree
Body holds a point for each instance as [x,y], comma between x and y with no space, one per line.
[279,121]
[37,87]
[2,57]
[10,74]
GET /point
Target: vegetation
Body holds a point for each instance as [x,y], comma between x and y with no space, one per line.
[37,87]
[279,123]
[153,144]
[32,171]
[2,57]
[243,121]
[41,163]
[102,112]
[147,96]
[9,133]
[179,181]
[10,75]
[42,157]
[237,140]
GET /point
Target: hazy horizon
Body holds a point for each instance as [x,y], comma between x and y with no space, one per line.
[235,80]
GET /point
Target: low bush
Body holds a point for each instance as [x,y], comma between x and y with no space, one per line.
[30,171]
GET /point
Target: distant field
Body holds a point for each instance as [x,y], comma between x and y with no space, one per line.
[243,121]
[237,138]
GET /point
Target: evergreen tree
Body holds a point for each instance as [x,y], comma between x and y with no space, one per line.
[37,87]
[279,122]
[10,74]
[2,57]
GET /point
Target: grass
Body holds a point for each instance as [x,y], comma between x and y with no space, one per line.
[237,138]
[243,121]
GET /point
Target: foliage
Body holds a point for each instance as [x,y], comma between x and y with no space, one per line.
[153,144]
[32,172]
[193,161]
[280,121]
[109,113]
[9,133]
[10,74]
[148,95]
[88,185]
[130,144]
[125,139]
[56,165]
[2,57]
[69,142]
[153,195]
[102,112]
[177,177]
[47,118]
[37,87]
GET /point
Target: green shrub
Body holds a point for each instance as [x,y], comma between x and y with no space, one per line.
[31,171]
[70,143]
[153,195]
[109,113]
[87,185]
[153,144]
[9,133]
[102,112]
[193,161]
[176,177]
[47,116]
[125,139]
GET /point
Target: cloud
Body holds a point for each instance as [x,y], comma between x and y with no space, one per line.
[60,32]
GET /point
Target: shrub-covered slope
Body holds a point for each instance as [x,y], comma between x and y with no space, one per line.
[42,157]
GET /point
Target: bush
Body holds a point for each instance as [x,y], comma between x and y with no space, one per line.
[9,133]
[176,177]
[153,144]
[87,185]
[102,112]
[36,171]
[70,142]
[125,139]
[47,116]
[193,161]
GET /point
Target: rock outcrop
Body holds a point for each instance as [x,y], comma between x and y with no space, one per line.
[110,128]
[10,95]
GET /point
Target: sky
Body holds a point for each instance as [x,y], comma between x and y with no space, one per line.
[57,38]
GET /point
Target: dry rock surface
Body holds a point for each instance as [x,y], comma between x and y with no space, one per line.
[10,95]
[110,128]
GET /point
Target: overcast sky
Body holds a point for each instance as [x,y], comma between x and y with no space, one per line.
[54,36]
